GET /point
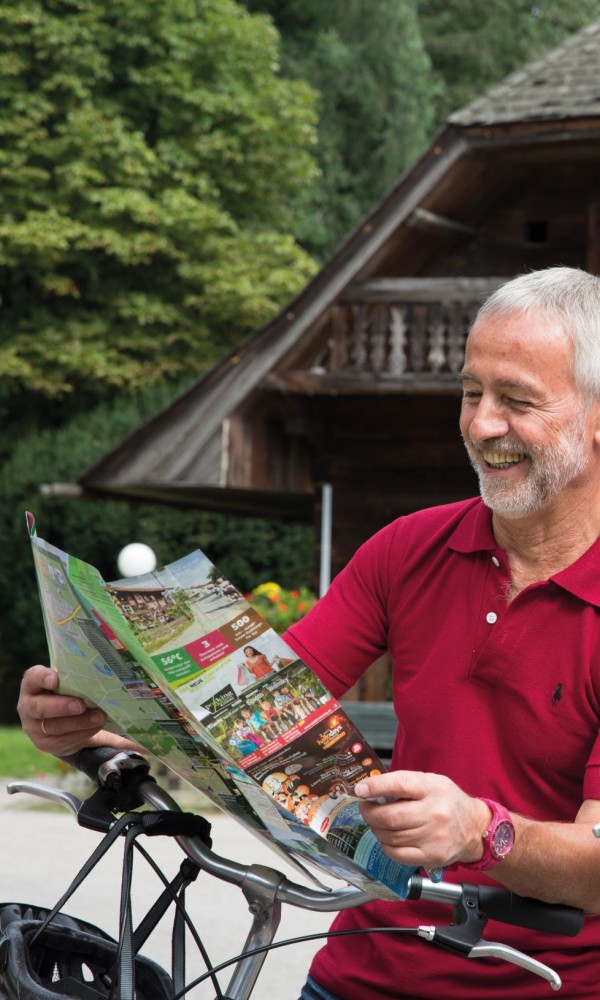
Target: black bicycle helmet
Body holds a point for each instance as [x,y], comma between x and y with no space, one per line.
[69,958]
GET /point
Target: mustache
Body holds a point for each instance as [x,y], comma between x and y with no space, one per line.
[501,446]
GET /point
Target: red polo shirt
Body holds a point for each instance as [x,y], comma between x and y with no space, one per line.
[502,698]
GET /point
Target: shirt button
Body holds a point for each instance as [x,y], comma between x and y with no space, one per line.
[491,617]
[495,561]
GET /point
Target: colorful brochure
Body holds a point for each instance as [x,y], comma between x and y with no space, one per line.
[181,663]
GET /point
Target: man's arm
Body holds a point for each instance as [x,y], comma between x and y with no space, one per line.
[68,724]
[556,862]
[430,822]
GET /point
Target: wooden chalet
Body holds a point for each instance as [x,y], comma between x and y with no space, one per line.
[144,606]
[354,383]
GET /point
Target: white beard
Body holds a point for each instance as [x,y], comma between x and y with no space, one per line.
[551,469]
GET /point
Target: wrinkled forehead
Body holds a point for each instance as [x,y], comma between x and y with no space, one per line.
[520,350]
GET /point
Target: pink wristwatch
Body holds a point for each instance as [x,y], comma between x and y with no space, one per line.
[498,838]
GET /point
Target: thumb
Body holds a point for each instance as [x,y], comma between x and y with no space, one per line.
[392,786]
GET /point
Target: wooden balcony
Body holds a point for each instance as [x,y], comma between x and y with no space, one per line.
[394,335]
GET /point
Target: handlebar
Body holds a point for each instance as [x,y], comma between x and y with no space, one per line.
[124,782]
[503,905]
[508,907]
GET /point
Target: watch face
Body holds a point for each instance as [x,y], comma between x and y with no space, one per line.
[503,839]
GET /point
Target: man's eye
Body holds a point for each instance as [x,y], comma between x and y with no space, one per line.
[471,394]
[518,403]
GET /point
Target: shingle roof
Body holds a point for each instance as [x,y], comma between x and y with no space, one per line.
[565,83]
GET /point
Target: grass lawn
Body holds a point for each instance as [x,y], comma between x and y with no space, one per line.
[20,759]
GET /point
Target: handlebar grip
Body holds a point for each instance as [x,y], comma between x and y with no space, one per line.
[553,918]
[89,760]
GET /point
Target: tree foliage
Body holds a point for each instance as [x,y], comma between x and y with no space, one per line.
[389,73]
[149,157]
[472,46]
[157,171]
[370,67]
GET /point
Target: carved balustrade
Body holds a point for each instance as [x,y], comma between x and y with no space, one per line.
[403,328]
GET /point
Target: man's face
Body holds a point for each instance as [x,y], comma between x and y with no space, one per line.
[526,426]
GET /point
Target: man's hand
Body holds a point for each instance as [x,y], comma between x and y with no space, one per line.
[60,724]
[423,820]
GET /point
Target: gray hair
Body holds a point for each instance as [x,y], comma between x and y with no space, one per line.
[568,295]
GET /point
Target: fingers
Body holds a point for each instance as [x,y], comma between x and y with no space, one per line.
[57,724]
[405,819]
[394,785]
[419,819]
[38,698]
[65,743]
[39,678]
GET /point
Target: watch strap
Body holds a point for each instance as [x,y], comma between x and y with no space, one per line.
[498,838]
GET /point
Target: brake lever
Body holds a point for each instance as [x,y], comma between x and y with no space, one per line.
[465,937]
[492,949]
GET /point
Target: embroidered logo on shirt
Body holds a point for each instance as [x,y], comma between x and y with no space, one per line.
[557,694]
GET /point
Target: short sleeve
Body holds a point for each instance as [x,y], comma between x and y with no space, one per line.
[346,631]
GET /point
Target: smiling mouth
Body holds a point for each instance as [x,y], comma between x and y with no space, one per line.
[503,460]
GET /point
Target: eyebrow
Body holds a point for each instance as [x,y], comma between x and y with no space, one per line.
[501,383]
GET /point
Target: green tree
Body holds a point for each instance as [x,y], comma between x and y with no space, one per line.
[150,155]
[472,45]
[368,62]
[389,73]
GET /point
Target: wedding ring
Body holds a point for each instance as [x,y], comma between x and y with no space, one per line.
[44,727]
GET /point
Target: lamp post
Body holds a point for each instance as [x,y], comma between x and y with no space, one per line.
[136,559]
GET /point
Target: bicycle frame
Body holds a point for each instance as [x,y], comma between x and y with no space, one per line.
[124,777]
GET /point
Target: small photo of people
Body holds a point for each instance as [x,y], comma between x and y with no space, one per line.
[244,738]
[291,793]
[256,726]
[254,666]
[285,698]
[265,659]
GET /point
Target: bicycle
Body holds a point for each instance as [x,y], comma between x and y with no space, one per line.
[124,784]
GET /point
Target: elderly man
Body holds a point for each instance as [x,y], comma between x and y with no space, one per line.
[490,609]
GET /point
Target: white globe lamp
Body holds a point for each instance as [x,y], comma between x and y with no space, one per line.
[136,559]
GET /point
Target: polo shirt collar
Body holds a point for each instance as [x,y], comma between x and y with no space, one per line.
[473,533]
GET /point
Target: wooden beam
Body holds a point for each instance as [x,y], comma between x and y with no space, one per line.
[317,382]
[439,225]
[411,289]
[538,133]
[281,505]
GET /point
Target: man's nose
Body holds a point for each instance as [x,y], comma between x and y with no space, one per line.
[488,421]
